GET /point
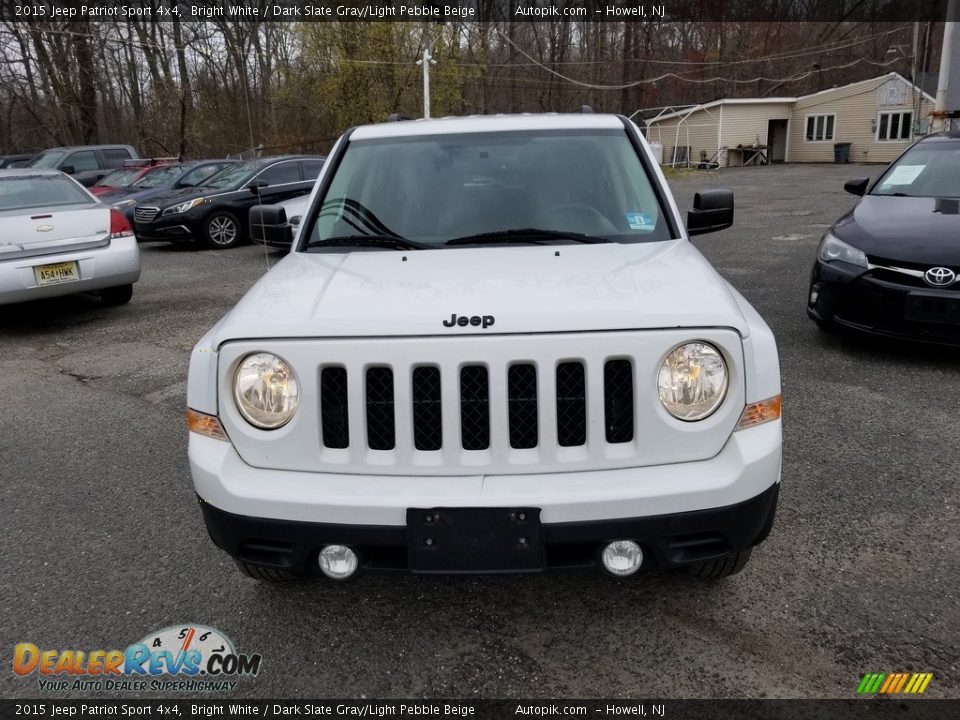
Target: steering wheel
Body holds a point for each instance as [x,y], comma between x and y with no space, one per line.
[581,218]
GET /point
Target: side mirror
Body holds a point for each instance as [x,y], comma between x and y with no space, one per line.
[712,211]
[857,186]
[269,226]
[257,184]
[295,220]
[68,169]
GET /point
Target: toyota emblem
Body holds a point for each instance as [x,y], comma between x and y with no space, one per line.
[939,276]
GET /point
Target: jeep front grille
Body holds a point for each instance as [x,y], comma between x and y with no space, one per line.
[522,404]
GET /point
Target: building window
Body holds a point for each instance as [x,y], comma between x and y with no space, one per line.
[820,127]
[894,126]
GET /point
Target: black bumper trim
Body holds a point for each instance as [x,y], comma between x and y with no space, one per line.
[669,541]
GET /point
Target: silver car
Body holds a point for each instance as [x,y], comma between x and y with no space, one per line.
[58,239]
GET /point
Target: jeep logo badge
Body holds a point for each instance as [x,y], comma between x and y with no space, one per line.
[484,321]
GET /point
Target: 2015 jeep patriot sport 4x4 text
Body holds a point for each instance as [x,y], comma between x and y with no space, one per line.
[492,349]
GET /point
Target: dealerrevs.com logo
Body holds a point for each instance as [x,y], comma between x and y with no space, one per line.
[188,657]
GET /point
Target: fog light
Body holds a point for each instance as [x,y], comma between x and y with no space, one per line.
[814,294]
[338,562]
[622,557]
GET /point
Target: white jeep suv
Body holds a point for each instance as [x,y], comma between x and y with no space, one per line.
[492,349]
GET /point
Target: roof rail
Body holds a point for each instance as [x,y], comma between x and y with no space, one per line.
[396,117]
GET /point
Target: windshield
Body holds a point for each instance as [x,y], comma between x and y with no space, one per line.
[41,191]
[434,189]
[232,176]
[156,177]
[119,178]
[927,170]
[46,160]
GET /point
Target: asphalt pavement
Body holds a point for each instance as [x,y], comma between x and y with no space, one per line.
[101,539]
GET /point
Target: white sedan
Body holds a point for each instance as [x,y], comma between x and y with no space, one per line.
[58,239]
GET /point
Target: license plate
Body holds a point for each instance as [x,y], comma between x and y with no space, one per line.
[933,308]
[56,273]
[474,540]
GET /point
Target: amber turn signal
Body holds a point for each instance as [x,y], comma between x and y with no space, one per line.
[204,424]
[760,412]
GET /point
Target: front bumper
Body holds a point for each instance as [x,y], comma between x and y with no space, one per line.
[877,302]
[682,513]
[115,264]
[668,541]
[177,229]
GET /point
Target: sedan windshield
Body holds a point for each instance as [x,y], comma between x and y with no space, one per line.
[491,187]
[40,191]
[928,170]
[46,160]
[233,176]
[158,177]
[119,178]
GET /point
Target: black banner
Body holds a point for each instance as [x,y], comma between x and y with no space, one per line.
[914,709]
[479,10]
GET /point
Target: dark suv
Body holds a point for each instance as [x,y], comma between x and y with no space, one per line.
[86,163]
[216,211]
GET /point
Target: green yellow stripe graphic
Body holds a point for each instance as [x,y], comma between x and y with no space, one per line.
[894,683]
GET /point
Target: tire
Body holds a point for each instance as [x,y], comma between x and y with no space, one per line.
[222,230]
[119,295]
[724,567]
[258,572]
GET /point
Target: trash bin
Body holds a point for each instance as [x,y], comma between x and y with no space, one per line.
[841,153]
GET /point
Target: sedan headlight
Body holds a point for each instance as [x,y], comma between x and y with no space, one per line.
[265,390]
[692,381]
[832,248]
[183,207]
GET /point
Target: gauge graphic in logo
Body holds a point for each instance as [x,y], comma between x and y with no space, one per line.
[207,641]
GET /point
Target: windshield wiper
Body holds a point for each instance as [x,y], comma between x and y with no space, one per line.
[382,241]
[525,235]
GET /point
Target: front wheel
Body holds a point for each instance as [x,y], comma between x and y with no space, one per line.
[221,231]
[724,567]
[258,572]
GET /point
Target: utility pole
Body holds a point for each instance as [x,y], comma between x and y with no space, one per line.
[948,87]
[426,61]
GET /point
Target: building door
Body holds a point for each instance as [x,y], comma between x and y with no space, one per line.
[777,140]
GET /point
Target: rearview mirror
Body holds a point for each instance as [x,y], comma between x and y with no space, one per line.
[269,226]
[857,186]
[68,169]
[712,211]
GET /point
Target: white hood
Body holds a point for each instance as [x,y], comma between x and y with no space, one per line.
[550,288]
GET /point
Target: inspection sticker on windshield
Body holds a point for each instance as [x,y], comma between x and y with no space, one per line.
[640,221]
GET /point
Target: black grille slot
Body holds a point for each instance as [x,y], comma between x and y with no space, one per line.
[474,408]
[522,405]
[333,407]
[571,404]
[427,416]
[381,428]
[618,400]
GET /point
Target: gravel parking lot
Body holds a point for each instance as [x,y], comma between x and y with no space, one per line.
[102,541]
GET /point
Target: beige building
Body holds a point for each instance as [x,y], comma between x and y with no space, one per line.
[877,117]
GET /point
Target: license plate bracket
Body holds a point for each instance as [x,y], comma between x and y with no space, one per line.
[474,540]
[56,273]
[931,307]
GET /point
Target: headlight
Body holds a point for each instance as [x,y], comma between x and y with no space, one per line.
[265,389]
[832,248]
[183,207]
[692,381]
